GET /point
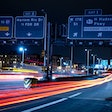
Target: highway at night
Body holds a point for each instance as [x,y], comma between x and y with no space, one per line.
[57,96]
[55,56]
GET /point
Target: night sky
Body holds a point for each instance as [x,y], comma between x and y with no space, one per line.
[58,10]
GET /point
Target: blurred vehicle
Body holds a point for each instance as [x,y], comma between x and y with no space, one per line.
[7,68]
[99,71]
[109,70]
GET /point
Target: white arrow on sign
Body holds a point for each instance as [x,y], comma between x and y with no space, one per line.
[75,34]
[7,34]
[29,34]
[99,34]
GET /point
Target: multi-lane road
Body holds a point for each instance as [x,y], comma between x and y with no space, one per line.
[62,96]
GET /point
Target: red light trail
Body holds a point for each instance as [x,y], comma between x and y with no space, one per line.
[43,90]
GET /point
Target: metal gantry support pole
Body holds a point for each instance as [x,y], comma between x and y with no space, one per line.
[48,52]
[71,58]
[51,53]
[45,38]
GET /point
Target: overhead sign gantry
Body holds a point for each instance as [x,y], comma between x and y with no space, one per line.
[90,26]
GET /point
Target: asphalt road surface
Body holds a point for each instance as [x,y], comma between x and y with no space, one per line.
[92,99]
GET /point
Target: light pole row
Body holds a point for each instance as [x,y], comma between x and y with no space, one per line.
[94,57]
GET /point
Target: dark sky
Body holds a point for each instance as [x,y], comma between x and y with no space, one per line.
[58,10]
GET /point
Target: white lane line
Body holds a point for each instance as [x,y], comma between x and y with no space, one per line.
[45,105]
[74,95]
[51,103]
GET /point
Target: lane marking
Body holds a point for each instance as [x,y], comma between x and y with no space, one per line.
[45,105]
[74,95]
[51,103]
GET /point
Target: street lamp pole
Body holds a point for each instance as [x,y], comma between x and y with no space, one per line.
[23,53]
[99,60]
[61,61]
[22,56]
[88,52]
[93,61]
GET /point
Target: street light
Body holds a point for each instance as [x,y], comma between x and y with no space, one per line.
[93,61]
[47,46]
[99,61]
[61,62]
[87,50]
[23,51]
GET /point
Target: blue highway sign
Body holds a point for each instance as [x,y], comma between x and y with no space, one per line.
[97,27]
[6,26]
[75,27]
[29,27]
[29,13]
[90,27]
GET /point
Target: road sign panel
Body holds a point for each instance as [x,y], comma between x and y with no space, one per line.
[75,27]
[97,27]
[29,13]
[93,11]
[29,27]
[6,27]
[90,27]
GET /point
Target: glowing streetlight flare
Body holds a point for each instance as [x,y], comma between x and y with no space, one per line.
[23,51]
